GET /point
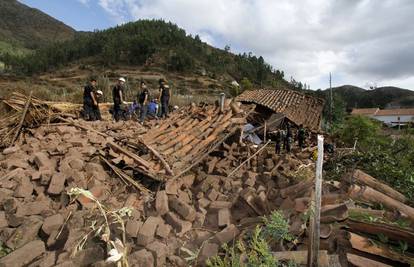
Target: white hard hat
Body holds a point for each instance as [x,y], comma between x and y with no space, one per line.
[166,86]
[122,79]
[99,92]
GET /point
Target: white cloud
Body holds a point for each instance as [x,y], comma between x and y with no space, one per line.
[359,41]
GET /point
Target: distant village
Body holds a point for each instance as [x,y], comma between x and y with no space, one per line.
[390,117]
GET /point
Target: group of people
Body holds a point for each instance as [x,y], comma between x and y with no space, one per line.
[144,106]
[285,136]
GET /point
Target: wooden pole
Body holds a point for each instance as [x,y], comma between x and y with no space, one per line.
[313,259]
[264,132]
[19,127]
[159,157]
[331,102]
[247,160]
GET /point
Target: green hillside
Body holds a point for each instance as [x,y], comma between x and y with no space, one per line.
[23,28]
[152,43]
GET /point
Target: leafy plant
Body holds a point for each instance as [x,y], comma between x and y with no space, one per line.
[255,251]
[403,246]
[276,227]
[4,250]
[383,238]
[192,255]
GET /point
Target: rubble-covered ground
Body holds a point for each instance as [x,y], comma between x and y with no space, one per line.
[67,198]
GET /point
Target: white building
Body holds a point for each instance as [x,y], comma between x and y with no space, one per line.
[390,117]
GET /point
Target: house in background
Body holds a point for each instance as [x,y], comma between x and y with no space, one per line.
[390,117]
[370,112]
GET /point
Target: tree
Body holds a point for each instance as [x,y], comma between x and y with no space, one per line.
[245,84]
[359,127]
[180,61]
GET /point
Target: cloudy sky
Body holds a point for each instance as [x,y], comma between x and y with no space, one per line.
[361,42]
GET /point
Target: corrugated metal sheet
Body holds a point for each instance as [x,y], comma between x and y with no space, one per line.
[297,107]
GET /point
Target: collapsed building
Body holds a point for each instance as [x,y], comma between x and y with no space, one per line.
[76,193]
[274,105]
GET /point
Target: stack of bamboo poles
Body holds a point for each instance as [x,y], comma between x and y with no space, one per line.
[25,112]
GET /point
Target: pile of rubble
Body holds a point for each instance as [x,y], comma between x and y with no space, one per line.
[75,193]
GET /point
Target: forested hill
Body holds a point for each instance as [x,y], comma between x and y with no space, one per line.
[150,43]
[22,27]
[382,97]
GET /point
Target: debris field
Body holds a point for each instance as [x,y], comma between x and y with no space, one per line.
[77,193]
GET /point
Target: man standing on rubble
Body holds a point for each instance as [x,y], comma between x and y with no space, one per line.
[301,136]
[143,101]
[288,138]
[89,100]
[164,97]
[117,95]
[278,141]
[96,110]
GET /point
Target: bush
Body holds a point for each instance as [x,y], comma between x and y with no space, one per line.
[257,253]
[276,227]
[256,250]
[360,128]
[387,159]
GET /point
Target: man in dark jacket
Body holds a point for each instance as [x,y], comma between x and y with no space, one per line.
[278,141]
[117,95]
[143,101]
[164,98]
[288,138]
[89,100]
[301,136]
[96,110]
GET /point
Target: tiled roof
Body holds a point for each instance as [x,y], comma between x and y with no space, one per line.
[298,108]
[364,111]
[395,112]
[189,135]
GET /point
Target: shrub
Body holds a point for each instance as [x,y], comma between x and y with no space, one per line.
[276,227]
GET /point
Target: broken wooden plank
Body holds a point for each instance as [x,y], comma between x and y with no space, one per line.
[247,160]
[366,179]
[296,189]
[136,158]
[392,232]
[366,245]
[300,257]
[159,157]
[371,195]
[359,261]
[19,127]
[127,178]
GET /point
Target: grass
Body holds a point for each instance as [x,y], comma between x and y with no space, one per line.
[256,252]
